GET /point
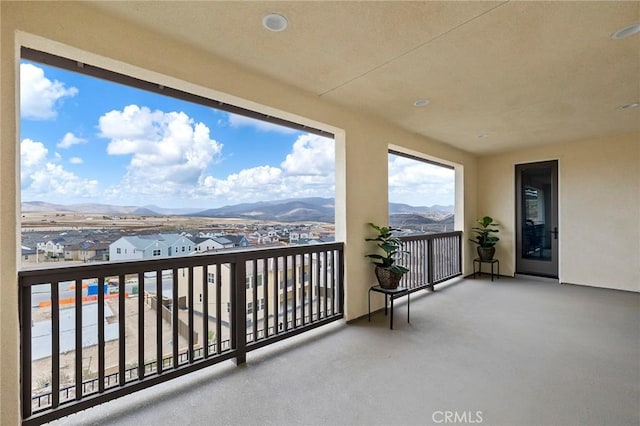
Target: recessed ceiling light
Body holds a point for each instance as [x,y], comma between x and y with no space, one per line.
[630,105]
[421,102]
[274,22]
[627,31]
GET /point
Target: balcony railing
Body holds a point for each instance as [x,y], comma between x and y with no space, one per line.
[431,259]
[93,333]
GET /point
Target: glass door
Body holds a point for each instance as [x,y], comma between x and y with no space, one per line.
[537,219]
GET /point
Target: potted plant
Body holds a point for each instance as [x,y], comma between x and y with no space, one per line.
[485,238]
[387,271]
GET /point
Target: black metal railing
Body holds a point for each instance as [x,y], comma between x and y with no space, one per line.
[431,259]
[92,333]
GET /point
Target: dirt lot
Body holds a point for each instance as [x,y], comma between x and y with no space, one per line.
[42,367]
[53,221]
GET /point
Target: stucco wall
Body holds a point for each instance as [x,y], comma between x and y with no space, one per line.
[74,30]
[599,208]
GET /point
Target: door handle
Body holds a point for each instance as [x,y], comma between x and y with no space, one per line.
[555,232]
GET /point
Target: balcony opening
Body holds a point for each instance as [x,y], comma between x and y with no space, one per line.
[117,168]
[192,231]
[421,194]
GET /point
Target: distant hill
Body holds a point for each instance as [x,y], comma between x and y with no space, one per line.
[109,209]
[39,206]
[291,210]
[409,219]
[396,208]
[313,209]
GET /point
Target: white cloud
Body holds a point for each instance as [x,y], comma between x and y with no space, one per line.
[76,160]
[39,95]
[308,171]
[169,151]
[418,183]
[42,179]
[245,184]
[236,120]
[32,153]
[69,140]
[311,155]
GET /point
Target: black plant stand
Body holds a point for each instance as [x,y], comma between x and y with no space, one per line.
[391,293]
[480,262]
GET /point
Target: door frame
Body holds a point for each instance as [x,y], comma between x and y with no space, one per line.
[530,267]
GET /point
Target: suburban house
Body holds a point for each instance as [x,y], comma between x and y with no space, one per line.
[53,248]
[534,105]
[204,244]
[150,246]
[29,254]
[238,240]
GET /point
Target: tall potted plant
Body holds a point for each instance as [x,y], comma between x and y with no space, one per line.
[485,237]
[387,271]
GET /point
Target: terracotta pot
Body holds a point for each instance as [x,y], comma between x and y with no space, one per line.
[387,279]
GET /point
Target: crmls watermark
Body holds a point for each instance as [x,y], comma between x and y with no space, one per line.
[453,417]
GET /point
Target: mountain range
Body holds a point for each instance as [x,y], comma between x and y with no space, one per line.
[314,209]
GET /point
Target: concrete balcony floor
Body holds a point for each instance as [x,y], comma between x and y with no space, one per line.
[517,351]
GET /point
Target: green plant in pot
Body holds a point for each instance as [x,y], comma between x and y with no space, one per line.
[387,271]
[486,238]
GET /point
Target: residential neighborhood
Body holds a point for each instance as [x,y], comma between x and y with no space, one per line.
[101,245]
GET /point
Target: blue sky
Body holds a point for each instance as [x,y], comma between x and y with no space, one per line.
[85,140]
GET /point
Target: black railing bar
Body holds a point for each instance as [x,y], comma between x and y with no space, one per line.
[141,325]
[265,291]
[254,292]
[302,295]
[238,275]
[285,271]
[205,310]
[159,307]
[333,282]
[326,283]
[276,295]
[55,343]
[294,277]
[26,349]
[101,359]
[318,270]
[341,281]
[174,316]
[122,354]
[78,325]
[190,312]
[218,285]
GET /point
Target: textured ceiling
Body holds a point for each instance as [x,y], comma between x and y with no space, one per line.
[521,73]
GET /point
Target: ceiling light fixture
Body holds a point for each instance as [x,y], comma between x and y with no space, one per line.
[630,105]
[627,31]
[421,102]
[274,22]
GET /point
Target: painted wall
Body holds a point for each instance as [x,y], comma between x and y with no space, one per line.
[599,208]
[73,30]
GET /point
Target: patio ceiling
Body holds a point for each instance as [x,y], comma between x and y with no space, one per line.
[519,73]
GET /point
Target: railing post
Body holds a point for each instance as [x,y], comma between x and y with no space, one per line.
[459,254]
[341,280]
[25,341]
[430,257]
[239,305]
